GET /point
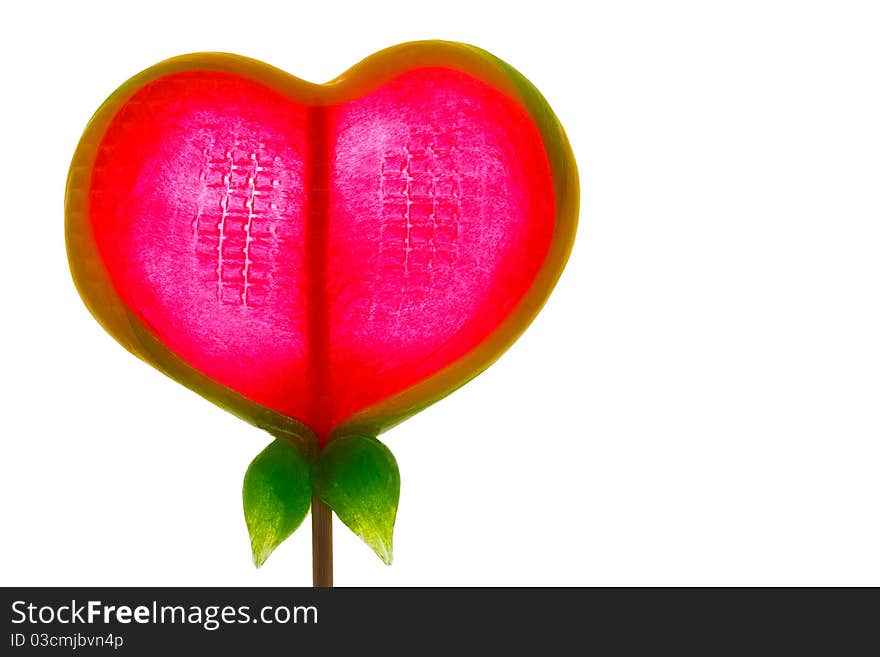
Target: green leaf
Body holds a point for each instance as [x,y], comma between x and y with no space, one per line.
[357,477]
[277,494]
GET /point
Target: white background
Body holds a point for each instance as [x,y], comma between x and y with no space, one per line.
[698,403]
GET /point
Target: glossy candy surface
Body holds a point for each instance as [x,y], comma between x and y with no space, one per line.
[322,259]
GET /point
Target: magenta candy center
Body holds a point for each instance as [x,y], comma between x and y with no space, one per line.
[319,260]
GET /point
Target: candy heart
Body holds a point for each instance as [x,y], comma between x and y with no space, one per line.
[322,259]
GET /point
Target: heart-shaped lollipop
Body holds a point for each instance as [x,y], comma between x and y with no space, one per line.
[322,260]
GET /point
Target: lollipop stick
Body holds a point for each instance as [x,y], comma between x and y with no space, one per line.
[322,544]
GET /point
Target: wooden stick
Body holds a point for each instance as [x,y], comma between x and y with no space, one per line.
[322,544]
